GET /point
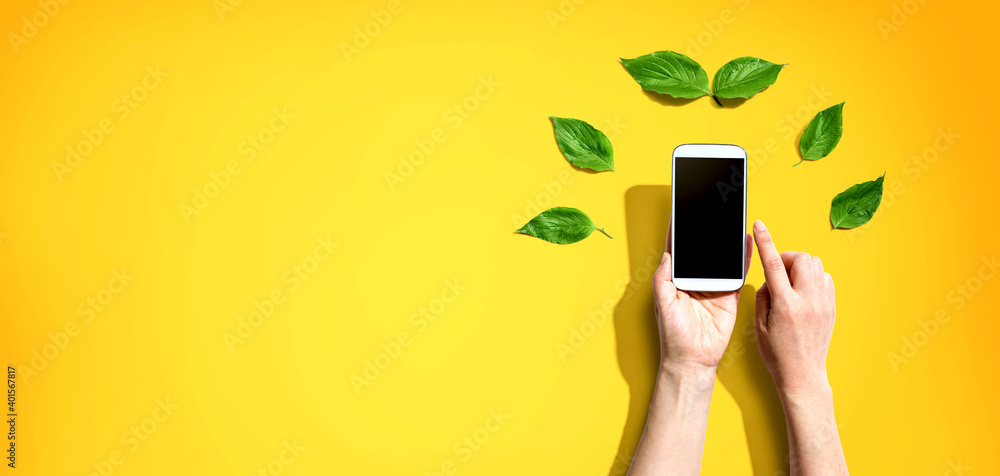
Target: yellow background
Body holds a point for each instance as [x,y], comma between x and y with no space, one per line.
[497,344]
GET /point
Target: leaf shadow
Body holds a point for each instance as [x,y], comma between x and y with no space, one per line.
[647,217]
[666,99]
[732,103]
[729,103]
[586,171]
[796,144]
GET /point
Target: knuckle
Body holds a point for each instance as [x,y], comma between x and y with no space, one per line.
[760,324]
[774,264]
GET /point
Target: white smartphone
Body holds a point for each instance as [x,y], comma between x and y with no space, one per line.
[708,213]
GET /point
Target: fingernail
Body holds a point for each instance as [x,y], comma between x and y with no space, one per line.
[759,226]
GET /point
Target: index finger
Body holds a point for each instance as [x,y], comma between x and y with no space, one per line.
[774,266]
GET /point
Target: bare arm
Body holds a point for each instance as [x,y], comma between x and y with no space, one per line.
[674,438]
[796,310]
[694,332]
[813,439]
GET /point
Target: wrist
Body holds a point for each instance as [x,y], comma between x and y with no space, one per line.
[687,377]
[819,391]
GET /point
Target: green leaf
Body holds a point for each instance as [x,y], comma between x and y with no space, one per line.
[582,145]
[822,134]
[561,225]
[855,206]
[744,77]
[666,72]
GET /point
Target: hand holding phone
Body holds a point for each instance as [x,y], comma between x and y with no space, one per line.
[695,326]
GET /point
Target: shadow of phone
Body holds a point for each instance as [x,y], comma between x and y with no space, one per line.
[647,217]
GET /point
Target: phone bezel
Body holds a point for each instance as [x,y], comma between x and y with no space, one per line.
[720,151]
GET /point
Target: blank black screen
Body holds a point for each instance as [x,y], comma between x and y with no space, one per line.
[708,223]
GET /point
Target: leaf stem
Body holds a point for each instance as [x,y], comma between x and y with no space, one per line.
[717,101]
[605,233]
[799,162]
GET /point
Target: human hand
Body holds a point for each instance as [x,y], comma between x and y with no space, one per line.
[796,310]
[694,326]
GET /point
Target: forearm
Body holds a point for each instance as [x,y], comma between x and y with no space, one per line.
[674,438]
[813,439]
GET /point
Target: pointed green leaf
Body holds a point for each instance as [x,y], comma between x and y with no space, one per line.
[822,134]
[561,225]
[744,77]
[666,72]
[856,205]
[582,145]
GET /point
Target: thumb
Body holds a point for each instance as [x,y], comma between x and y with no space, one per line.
[662,280]
[763,307]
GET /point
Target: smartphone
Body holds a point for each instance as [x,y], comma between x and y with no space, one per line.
[708,212]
